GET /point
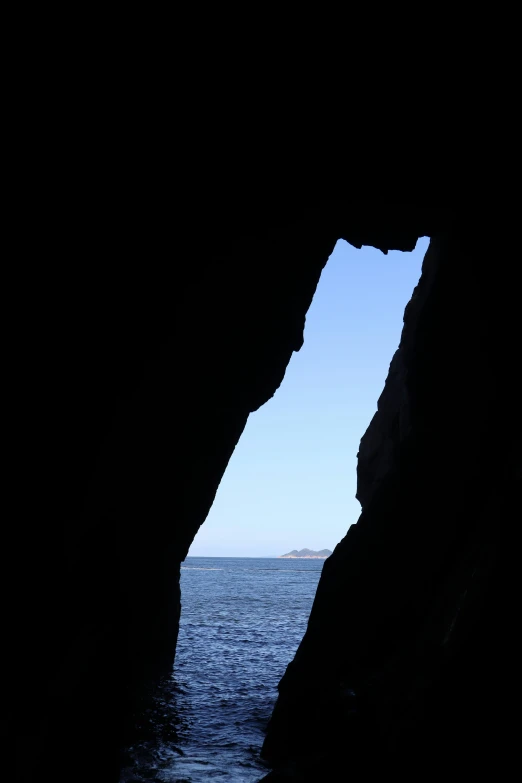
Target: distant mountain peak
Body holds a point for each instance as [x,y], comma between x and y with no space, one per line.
[322,554]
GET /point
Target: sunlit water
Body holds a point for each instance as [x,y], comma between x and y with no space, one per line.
[241,622]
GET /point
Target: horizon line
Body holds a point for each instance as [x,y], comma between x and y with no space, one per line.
[251,557]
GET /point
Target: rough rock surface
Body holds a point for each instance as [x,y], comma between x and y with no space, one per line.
[146,341]
[411,636]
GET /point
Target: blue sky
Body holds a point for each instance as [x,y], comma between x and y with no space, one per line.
[291,480]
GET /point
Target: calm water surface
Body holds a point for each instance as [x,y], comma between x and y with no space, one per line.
[241,622]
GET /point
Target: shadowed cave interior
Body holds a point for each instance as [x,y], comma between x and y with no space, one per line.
[147,374]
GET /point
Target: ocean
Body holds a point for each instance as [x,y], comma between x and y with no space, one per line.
[241,622]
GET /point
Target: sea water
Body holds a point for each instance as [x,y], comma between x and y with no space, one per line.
[241,622]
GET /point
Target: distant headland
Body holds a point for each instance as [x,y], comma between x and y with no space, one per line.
[309,553]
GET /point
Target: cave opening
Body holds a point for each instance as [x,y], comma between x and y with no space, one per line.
[289,485]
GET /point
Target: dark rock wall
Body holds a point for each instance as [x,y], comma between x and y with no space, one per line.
[143,340]
[409,661]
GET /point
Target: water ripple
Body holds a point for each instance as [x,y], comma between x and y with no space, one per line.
[241,622]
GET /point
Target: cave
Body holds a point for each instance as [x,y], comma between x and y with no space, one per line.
[142,359]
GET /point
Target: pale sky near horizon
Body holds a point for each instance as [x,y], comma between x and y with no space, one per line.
[291,481]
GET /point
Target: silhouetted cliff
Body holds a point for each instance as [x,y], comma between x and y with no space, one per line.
[145,338]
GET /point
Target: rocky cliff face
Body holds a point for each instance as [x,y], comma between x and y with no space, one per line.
[144,351]
[411,623]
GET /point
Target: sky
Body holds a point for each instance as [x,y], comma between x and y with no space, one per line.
[291,481]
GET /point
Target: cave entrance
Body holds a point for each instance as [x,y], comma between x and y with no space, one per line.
[291,481]
[290,484]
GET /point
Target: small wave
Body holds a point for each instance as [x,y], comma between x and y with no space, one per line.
[285,570]
[198,568]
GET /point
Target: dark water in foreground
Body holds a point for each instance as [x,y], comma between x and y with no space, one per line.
[241,622]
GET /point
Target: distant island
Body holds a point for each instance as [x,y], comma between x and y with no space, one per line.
[309,553]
